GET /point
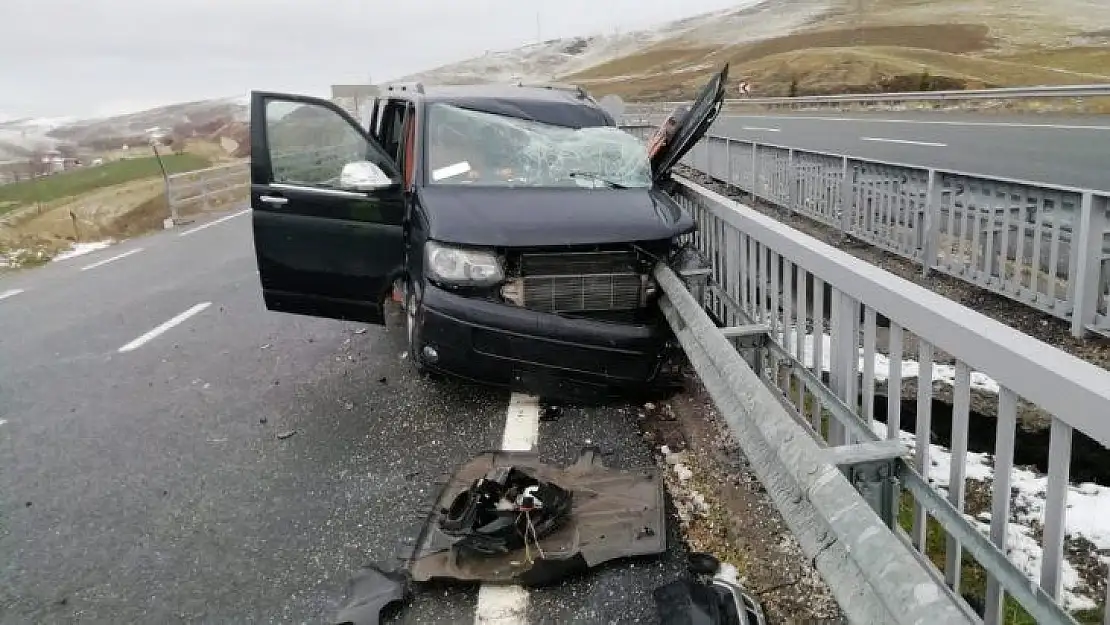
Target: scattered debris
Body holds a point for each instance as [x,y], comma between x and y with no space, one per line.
[506,517]
[710,595]
[348,405]
[371,591]
[360,331]
[266,346]
[382,380]
[503,511]
[550,412]
[591,534]
[284,435]
[263,420]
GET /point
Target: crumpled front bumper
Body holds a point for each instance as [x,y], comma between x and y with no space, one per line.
[539,353]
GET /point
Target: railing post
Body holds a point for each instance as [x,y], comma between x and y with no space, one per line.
[708,142]
[172,221]
[791,196]
[755,169]
[728,161]
[847,196]
[844,365]
[1087,239]
[204,192]
[930,225]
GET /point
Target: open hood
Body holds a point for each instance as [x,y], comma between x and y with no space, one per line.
[685,127]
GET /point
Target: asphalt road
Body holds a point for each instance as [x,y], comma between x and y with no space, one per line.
[1067,151]
[150,485]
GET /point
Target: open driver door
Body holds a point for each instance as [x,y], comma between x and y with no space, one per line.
[328,206]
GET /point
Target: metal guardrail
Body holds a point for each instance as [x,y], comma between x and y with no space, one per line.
[797,288]
[207,189]
[965,95]
[1045,246]
[873,576]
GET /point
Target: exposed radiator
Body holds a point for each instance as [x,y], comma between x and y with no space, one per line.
[582,282]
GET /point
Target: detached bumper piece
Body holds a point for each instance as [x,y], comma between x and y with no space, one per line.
[507,518]
[591,515]
[706,597]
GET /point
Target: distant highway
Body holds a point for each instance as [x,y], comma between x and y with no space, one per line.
[1069,151]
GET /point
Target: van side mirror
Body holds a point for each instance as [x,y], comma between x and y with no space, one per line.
[363,176]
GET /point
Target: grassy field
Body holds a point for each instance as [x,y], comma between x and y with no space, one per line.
[875,45]
[79,181]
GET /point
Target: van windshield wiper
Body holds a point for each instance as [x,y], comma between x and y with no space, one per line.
[598,177]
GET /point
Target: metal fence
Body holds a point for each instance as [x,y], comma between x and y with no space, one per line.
[208,189]
[1045,246]
[826,325]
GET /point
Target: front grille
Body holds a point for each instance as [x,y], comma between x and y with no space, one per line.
[581,282]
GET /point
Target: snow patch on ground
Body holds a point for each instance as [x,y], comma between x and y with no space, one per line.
[1088,507]
[80,249]
[909,368]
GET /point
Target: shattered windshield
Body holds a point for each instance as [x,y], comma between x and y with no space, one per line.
[473,147]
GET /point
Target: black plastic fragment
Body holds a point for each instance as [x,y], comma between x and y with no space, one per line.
[370,591]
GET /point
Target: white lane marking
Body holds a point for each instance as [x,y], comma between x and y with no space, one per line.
[759,129]
[933,122]
[10,293]
[522,423]
[112,259]
[905,142]
[178,320]
[3,421]
[214,222]
[501,605]
[508,605]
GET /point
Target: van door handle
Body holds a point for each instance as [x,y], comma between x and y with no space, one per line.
[273,199]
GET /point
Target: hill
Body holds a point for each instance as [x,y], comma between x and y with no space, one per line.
[826,46]
[207,119]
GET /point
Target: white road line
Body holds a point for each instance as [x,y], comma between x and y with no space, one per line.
[214,222]
[905,142]
[10,293]
[758,129]
[508,605]
[3,421]
[114,258]
[522,423]
[501,605]
[928,122]
[178,320]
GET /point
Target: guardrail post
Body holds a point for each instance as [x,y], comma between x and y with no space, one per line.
[929,226]
[204,193]
[791,182]
[169,202]
[728,161]
[1087,239]
[847,196]
[708,143]
[755,169]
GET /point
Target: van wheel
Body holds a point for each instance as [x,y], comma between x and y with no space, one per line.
[413,323]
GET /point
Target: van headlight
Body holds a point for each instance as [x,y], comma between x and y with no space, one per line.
[461,266]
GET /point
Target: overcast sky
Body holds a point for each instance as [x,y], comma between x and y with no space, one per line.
[95,57]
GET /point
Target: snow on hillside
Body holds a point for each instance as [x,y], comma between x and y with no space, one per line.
[559,57]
